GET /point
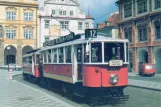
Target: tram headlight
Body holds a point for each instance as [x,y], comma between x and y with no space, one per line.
[114,79]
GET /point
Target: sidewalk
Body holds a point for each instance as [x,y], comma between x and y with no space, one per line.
[147,84]
[15,94]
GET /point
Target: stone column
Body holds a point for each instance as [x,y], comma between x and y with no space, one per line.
[2,52]
[135,60]
[19,53]
[150,47]
[134,51]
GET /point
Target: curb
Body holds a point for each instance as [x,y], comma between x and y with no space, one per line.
[143,87]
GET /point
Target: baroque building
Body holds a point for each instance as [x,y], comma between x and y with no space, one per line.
[60,17]
[140,23]
[109,27]
[18,29]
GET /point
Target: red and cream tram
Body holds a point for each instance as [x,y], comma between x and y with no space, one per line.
[85,62]
[30,65]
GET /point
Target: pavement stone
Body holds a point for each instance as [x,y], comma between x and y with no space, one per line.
[15,94]
[144,84]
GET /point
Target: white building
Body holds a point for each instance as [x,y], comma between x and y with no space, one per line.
[59,17]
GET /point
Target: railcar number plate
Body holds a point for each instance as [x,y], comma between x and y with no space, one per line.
[115,63]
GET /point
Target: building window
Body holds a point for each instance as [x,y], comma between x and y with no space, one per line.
[46,38]
[71,13]
[80,25]
[60,12]
[47,23]
[11,34]
[11,15]
[142,33]
[157,4]
[142,6]
[64,25]
[128,35]
[28,16]
[53,12]
[28,34]
[87,25]
[157,32]
[64,13]
[127,10]
[1,31]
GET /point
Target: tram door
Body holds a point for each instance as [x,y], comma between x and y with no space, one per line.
[33,63]
[77,62]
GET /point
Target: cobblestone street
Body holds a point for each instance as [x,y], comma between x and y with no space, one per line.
[15,94]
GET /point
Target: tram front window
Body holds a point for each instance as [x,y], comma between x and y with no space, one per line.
[96,52]
[113,51]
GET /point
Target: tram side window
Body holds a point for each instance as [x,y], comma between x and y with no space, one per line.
[44,57]
[96,52]
[79,53]
[68,54]
[54,55]
[27,61]
[61,55]
[30,60]
[113,51]
[24,61]
[37,59]
[86,55]
[49,55]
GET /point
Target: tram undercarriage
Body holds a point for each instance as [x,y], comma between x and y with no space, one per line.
[75,90]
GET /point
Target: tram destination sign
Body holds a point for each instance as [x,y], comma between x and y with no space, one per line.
[91,33]
[115,63]
[62,39]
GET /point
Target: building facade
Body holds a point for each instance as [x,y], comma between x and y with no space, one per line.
[110,26]
[60,17]
[140,22]
[18,29]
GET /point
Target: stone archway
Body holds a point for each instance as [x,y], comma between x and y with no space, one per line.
[143,57]
[158,61]
[26,49]
[10,55]
[130,66]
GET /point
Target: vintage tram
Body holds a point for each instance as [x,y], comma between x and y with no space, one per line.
[30,65]
[83,63]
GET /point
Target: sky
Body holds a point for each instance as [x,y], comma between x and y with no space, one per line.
[97,8]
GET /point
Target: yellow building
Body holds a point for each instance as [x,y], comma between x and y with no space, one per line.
[18,29]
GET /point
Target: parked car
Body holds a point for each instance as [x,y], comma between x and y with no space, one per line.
[14,66]
[147,69]
[3,66]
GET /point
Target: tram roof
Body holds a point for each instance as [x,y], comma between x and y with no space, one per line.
[30,53]
[101,37]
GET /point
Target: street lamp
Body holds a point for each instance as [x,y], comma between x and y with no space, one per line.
[8,48]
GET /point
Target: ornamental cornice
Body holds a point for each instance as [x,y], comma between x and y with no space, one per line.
[11,8]
[144,23]
[28,27]
[10,27]
[28,10]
